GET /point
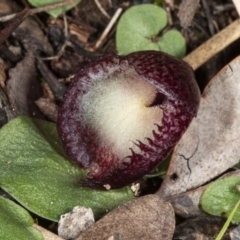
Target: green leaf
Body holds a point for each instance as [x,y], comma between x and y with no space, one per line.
[15,222]
[173,43]
[55,12]
[221,196]
[139,27]
[35,171]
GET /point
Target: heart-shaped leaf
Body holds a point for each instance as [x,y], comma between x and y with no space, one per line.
[139,27]
[16,222]
[35,171]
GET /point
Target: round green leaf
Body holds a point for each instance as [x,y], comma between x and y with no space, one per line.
[16,223]
[173,43]
[35,171]
[55,12]
[221,196]
[137,26]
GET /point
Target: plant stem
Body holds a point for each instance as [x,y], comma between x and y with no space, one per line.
[225,226]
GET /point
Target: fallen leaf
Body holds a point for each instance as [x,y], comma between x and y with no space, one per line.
[32,37]
[210,146]
[28,32]
[187,11]
[23,88]
[49,108]
[147,217]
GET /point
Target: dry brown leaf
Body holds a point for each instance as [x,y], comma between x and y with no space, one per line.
[210,146]
[23,88]
[67,64]
[47,91]
[8,7]
[147,217]
[186,12]
[49,108]
[32,37]
[29,32]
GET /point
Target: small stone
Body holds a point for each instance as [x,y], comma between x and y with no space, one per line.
[135,188]
[72,224]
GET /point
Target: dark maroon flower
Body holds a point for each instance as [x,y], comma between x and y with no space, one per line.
[122,115]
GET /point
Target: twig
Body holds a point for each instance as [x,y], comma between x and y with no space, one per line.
[57,87]
[39,9]
[108,28]
[214,45]
[47,234]
[208,16]
[222,8]
[102,9]
[169,14]
[66,42]
[110,3]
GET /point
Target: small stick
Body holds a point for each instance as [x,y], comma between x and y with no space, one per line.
[57,87]
[102,9]
[214,45]
[108,28]
[208,16]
